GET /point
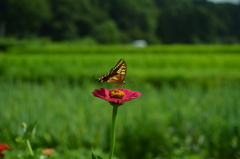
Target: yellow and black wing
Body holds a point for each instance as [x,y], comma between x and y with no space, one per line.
[116,75]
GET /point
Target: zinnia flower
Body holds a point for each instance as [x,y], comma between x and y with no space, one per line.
[116,96]
[2,148]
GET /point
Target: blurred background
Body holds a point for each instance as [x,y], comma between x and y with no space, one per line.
[120,22]
[182,55]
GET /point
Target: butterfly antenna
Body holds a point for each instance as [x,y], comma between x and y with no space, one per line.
[131,81]
[94,76]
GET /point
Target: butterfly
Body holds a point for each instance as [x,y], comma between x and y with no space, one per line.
[116,75]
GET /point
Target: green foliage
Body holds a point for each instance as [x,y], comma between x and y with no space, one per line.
[94,156]
[28,132]
[136,19]
[6,44]
[188,108]
[155,64]
[187,23]
[25,18]
[166,121]
[121,21]
[106,33]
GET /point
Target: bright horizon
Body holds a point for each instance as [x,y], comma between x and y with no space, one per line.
[224,1]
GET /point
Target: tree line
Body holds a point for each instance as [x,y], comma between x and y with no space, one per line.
[122,21]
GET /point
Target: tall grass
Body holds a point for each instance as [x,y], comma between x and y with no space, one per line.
[68,48]
[146,67]
[188,108]
[165,121]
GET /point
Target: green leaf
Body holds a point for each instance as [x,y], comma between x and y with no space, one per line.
[19,139]
[94,156]
[30,131]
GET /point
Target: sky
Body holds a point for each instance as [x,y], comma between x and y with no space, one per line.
[230,1]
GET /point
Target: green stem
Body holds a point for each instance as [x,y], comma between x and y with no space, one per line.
[114,115]
[29,148]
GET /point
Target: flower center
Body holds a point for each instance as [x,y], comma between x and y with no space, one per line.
[117,94]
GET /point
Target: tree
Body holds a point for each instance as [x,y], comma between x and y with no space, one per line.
[3,15]
[106,32]
[24,18]
[228,16]
[136,19]
[74,18]
[185,22]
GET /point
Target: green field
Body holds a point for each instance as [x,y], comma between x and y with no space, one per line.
[189,106]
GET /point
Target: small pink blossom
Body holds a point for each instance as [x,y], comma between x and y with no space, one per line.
[116,96]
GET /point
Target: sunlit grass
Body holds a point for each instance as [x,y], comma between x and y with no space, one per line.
[189,103]
[147,67]
[69,116]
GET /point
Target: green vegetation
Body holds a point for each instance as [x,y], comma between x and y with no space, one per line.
[121,21]
[189,106]
[154,64]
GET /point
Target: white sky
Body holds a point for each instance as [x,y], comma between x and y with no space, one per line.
[230,1]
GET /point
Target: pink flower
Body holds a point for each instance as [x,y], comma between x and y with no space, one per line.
[2,148]
[116,96]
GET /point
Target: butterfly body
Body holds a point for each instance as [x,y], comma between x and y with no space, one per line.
[116,75]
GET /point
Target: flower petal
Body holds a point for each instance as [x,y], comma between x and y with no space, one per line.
[104,94]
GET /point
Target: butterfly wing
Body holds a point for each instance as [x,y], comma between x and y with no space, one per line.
[116,75]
